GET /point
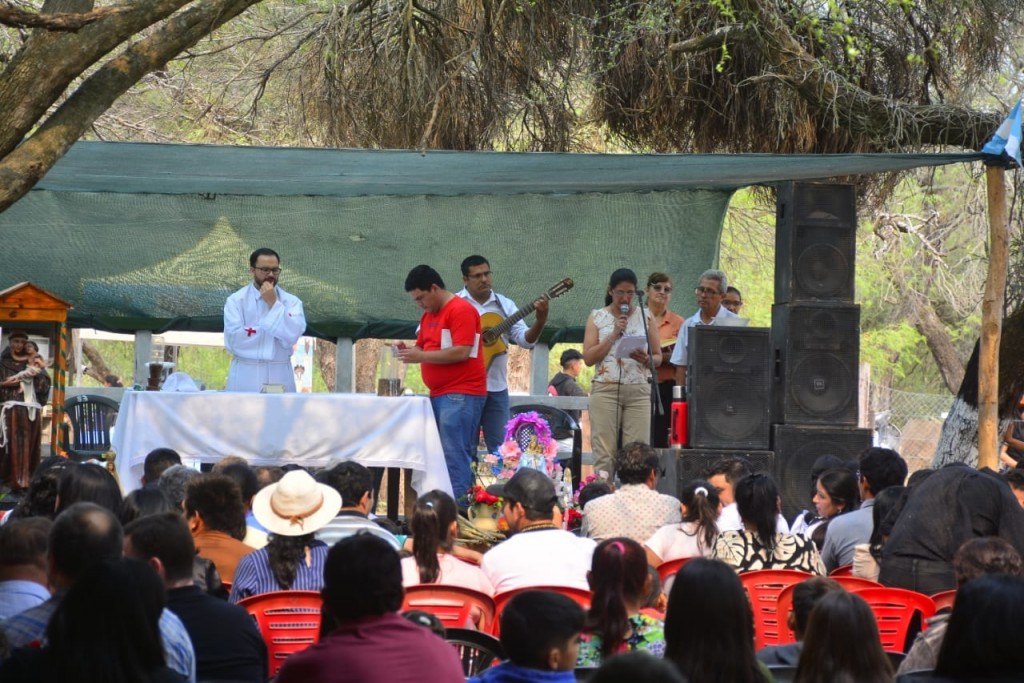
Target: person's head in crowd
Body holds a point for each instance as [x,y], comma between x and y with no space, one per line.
[757,501]
[40,499]
[23,550]
[918,476]
[107,626]
[888,504]
[637,463]
[112,381]
[710,289]
[571,362]
[986,555]
[841,643]
[88,483]
[362,578]
[268,474]
[880,468]
[173,482]
[723,476]
[656,598]
[701,506]
[1015,478]
[709,625]
[353,482]
[157,461]
[985,631]
[636,667]
[732,300]
[214,503]
[528,499]
[820,465]
[85,533]
[659,289]
[806,595]
[149,500]
[619,281]
[245,477]
[434,528]
[165,542]
[226,461]
[541,630]
[429,621]
[594,489]
[837,493]
[618,580]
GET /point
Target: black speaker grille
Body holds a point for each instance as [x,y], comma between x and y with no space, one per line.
[817,347]
[689,464]
[797,447]
[730,385]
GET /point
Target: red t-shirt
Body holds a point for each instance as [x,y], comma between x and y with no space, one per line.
[456,324]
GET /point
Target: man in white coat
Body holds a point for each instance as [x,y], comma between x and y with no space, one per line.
[262,322]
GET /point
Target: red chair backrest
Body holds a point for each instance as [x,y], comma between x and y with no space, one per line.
[453,605]
[582,598]
[671,568]
[855,583]
[845,570]
[783,606]
[944,600]
[763,587]
[289,622]
[894,608]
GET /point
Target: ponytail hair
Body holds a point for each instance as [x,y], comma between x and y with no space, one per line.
[618,573]
[702,501]
[431,517]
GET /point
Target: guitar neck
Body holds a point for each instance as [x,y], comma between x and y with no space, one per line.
[506,324]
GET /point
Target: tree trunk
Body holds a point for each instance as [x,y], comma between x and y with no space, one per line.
[324,352]
[97,369]
[940,344]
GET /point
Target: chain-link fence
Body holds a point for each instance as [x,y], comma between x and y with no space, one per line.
[909,423]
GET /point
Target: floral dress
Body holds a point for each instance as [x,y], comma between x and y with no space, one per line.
[647,634]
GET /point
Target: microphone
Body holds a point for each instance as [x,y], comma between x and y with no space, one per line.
[624,309]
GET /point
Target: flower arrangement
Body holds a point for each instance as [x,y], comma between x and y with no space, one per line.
[478,495]
[574,512]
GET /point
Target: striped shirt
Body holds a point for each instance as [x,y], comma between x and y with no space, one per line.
[253,575]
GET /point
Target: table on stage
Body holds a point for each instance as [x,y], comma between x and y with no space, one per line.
[274,429]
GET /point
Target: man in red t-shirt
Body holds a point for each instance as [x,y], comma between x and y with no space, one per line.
[448,349]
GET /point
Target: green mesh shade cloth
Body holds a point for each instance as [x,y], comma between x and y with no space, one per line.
[155,237]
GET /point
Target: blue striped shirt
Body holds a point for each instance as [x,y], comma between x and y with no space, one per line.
[253,575]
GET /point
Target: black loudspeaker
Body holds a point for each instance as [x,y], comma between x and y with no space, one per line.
[816,349]
[815,242]
[681,466]
[729,387]
[797,447]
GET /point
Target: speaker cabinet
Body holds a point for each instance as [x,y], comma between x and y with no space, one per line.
[816,350]
[815,242]
[797,447]
[681,466]
[729,380]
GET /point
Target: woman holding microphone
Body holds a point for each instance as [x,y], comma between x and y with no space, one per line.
[616,340]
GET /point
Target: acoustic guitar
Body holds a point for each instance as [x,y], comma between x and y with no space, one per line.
[494,326]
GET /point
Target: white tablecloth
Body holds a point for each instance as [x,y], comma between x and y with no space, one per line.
[274,429]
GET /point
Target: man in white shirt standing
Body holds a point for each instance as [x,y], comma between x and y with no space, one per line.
[262,322]
[478,290]
[710,311]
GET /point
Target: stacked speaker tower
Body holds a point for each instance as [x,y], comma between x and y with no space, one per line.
[815,335]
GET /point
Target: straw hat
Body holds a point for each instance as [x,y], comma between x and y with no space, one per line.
[295,505]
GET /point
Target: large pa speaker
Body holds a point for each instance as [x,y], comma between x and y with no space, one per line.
[729,387]
[815,242]
[681,466]
[816,349]
[797,447]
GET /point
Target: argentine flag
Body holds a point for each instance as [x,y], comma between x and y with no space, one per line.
[1004,144]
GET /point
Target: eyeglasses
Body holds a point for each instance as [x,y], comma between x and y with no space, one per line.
[705,291]
[667,289]
[619,292]
[268,271]
[481,276]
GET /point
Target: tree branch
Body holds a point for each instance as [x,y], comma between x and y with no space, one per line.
[18,18]
[712,41]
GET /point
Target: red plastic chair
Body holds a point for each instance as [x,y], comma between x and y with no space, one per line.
[894,609]
[855,583]
[289,622]
[581,597]
[783,606]
[944,600]
[453,605]
[667,570]
[763,587]
[845,570]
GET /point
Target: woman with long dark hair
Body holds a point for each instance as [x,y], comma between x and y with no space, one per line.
[841,643]
[985,631]
[696,535]
[434,527]
[709,626]
[835,493]
[758,545]
[615,622]
[87,483]
[620,393]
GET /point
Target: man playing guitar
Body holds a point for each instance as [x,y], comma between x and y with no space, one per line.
[477,277]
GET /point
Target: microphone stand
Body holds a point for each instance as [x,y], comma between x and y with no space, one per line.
[657,408]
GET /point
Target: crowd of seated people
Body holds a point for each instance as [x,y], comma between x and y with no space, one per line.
[315,531]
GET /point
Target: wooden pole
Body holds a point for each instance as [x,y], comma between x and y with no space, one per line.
[992,320]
